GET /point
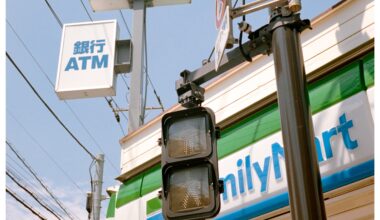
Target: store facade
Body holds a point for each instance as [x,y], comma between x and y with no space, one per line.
[339,63]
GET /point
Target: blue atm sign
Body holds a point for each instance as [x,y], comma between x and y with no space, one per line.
[90,55]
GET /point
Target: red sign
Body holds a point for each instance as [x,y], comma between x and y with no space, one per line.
[220,9]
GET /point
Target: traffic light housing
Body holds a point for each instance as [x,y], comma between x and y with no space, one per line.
[189,162]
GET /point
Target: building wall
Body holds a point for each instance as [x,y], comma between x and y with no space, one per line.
[339,65]
[334,34]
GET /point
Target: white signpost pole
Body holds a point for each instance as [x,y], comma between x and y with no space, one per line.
[135,113]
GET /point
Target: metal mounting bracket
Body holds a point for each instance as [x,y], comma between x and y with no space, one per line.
[189,94]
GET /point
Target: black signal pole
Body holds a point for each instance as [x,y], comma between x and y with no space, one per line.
[281,37]
[304,181]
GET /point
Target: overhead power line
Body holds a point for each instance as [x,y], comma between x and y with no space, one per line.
[146,58]
[28,179]
[125,23]
[146,68]
[155,93]
[88,14]
[48,107]
[66,103]
[59,20]
[44,150]
[18,199]
[32,195]
[31,185]
[39,180]
[54,13]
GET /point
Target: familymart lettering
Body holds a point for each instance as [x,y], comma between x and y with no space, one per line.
[241,182]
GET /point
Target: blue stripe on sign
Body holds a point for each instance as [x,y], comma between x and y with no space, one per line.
[329,183]
[157,216]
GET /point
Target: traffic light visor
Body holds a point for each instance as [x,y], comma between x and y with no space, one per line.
[190,189]
[187,137]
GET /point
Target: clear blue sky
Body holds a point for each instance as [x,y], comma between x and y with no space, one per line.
[179,37]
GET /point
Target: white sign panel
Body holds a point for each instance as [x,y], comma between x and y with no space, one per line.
[219,12]
[221,40]
[86,61]
[343,136]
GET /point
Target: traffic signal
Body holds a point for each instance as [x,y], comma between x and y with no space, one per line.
[189,162]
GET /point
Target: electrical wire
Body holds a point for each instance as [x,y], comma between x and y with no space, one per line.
[30,184]
[21,201]
[38,179]
[235,3]
[155,93]
[245,55]
[59,20]
[54,13]
[30,53]
[66,103]
[116,113]
[125,82]
[126,25]
[117,106]
[44,150]
[146,67]
[146,72]
[121,128]
[88,14]
[30,176]
[8,173]
[48,107]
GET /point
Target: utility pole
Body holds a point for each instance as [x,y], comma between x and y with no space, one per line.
[136,109]
[135,114]
[304,180]
[98,183]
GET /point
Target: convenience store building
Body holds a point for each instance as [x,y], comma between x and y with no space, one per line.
[339,63]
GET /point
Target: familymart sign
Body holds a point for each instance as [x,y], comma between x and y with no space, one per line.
[344,139]
[255,176]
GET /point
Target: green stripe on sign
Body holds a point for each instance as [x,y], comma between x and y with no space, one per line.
[153,205]
[335,87]
[129,191]
[111,206]
[152,180]
[323,93]
[249,130]
[369,69]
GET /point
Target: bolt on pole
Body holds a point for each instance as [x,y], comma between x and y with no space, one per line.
[304,180]
[98,183]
